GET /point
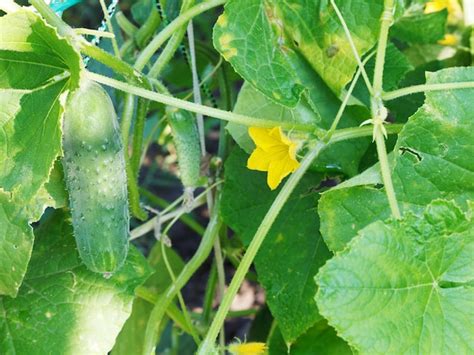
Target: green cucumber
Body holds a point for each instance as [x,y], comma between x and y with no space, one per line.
[188,148]
[94,167]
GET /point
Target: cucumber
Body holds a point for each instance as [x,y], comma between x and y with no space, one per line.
[94,167]
[188,148]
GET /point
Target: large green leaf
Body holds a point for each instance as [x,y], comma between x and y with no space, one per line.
[317,33]
[245,37]
[62,308]
[434,158]
[405,286]
[16,241]
[261,37]
[37,67]
[293,250]
[421,28]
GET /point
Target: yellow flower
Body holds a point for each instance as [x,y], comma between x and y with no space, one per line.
[448,40]
[437,5]
[453,7]
[274,153]
[248,349]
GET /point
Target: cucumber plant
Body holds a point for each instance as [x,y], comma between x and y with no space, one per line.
[345,132]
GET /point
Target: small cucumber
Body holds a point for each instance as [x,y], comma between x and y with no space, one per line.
[188,148]
[94,167]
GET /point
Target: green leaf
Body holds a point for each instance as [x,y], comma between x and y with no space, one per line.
[37,68]
[62,308]
[130,339]
[405,286]
[316,32]
[434,158]
[16,242]
[293,250]
[245,37]
[421,28]
[319,339]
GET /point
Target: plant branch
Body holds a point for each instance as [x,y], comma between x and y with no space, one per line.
[386,22]
[190,106]
[379,112]
[415,89]
[253,248]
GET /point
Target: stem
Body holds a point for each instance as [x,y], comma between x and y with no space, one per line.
[379,113]
[148,29]
[415,89]
[172,45]
[190,268]
[386,21]
[173,312]
[253,248]
[345,101]
[359,132]
[110,27]
[125,24]
[200,124]
[386,174]
[172,276]
[113,62]
[167,32]
[190,106]
[139,128]
[187,220]
[89,32]
[353,47]
[209,295]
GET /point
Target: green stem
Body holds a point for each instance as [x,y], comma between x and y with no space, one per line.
[386,173]
[173,311]
[125,24]
[415,89]
[359,132]
[186,219]
[167,32]
[386,22]
[190,106]
[143,35]
[253,248]
[110,27]
[345,101]
[89,32]
[189,269]
[139,128]
[209,295]
[172,45]
[379,112]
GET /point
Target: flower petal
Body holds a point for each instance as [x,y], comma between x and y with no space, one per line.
[263,138]
[279,169]
[259,160]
